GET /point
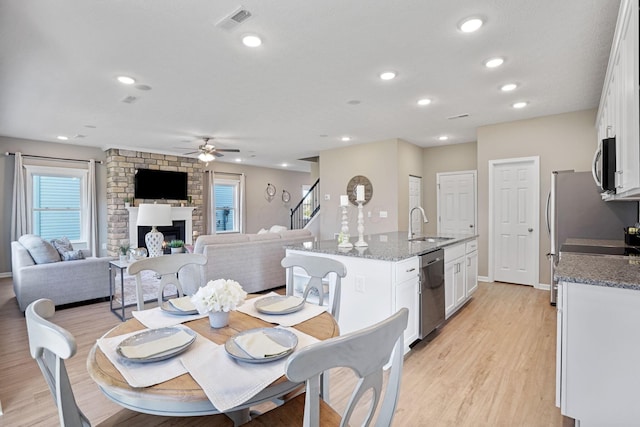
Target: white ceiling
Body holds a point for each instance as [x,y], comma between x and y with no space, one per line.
[289,98]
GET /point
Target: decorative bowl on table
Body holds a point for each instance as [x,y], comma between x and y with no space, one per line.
[138,253]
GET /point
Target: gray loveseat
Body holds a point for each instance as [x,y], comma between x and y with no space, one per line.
[63,282]
[253,260]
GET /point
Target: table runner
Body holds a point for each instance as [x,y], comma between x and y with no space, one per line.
[158,318]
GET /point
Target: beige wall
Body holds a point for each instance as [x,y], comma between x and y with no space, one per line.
[449,158]
[260,213]
[378,161]
[409,163]
[563,141]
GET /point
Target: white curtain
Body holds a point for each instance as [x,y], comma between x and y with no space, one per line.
[19,217]
[242,204]
[92,211]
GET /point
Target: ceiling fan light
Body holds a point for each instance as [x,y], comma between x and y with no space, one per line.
[206,157]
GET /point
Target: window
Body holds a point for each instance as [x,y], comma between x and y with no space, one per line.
[56,202]
[227,196]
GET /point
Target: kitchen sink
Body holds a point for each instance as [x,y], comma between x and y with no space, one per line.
[430,239]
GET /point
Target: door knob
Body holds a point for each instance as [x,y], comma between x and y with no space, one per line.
[470,225]
[530,230]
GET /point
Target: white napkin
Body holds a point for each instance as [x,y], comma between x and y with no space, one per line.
[283,304]
[309,311]
[259,345]
[156,346]
[182,303]
[158,318]
[145,374]
[227,382]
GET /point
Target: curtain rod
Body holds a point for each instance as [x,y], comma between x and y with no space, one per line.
[52,158]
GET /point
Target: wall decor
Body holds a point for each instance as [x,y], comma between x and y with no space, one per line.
[269,192]
[286,197]
[353,184]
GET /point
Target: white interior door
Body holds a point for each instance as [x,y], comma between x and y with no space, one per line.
[457,211]
[514,218]
[415,199]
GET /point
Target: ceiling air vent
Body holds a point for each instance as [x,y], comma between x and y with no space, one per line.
[234,19]
[130,99]
[459,116]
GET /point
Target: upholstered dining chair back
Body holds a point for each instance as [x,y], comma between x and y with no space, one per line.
[50,345]
[167,267]
[366,352]
[317,268]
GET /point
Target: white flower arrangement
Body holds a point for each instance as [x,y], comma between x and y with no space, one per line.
[219,295]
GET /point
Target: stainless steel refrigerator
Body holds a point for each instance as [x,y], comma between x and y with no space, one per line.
[575,210]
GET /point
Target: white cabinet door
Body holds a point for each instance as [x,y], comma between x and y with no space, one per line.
[460,282]
[472,273]
[407,296]
[449,280]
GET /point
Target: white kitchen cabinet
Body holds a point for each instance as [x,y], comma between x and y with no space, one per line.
[471,265]
[619,104]
[407,295]
[460,274]
[373,290]
[597,368]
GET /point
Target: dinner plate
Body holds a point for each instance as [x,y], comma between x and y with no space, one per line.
[262,305]
[281,336]
[151,335]
[169,308]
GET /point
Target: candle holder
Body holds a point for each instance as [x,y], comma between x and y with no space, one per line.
[344,231]
[360,242]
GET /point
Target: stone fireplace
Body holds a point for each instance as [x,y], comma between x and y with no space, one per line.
[182,218]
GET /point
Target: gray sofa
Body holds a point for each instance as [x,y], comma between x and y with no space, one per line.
[63,282]
[253,260]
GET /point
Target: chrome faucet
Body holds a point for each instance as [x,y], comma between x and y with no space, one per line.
[410,222]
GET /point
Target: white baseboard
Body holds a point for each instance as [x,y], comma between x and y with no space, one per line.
[7,274]
[483,279]
[543,286]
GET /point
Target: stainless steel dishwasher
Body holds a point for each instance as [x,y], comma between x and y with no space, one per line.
[431,291]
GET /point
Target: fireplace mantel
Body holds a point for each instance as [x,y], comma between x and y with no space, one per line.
[177,214]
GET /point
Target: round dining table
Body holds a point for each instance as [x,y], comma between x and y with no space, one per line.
[182,396]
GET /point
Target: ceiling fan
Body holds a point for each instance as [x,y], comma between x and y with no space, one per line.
[208,152]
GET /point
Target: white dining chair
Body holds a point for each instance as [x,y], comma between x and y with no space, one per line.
[167,267]
[366,352]
[317,268]
[50,345]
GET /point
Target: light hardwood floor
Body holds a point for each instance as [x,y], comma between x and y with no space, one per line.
[492,364]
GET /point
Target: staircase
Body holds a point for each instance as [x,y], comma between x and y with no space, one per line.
[308,207]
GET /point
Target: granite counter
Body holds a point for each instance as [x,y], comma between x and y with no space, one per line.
[601,270]
[392,246]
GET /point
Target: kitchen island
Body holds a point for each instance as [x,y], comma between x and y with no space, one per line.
[598,338]
[384,276]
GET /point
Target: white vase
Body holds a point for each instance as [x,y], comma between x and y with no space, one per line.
[218,319]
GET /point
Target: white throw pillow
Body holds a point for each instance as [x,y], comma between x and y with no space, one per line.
[277,228]
[262,231]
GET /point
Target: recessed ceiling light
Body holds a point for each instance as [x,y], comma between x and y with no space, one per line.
[443,138]
[520,104]
[469,25]
[126,80]
[388,75]
[508,87]
[238,159]
[62,137]
[424,101]
[493,62]
[284,165]
[345,139]
[251,40]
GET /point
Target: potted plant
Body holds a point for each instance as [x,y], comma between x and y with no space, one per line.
[124,251]
[127,202]
[218,298]
[177,246]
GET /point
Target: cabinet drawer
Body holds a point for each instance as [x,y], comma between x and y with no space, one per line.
[472,246]
[453,252]
[407,269]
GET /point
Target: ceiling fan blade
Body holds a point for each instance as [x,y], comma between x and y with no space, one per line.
[191,152]
[217,153]
[228,150]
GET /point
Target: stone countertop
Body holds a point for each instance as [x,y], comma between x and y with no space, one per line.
[611,271]
[392,246]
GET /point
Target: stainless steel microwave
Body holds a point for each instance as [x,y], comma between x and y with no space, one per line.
[604,165]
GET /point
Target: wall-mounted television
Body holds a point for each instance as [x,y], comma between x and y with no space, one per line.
[159,184]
